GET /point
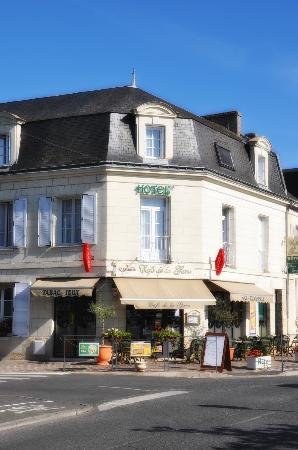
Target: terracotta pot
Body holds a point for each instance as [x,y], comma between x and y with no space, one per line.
[104,355]
[232,350]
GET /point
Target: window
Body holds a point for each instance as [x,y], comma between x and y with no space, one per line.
[261,170]
[4,150]
[76,220]
[154,229]
[6,310]
[154,142]
[263,241]
[224,157]
[228,235]
[70,221]
[6,224]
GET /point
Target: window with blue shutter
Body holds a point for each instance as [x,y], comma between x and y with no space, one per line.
[19,222]
[21,306]
[88,229]
[44,221]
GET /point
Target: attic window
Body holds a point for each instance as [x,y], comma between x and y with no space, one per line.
[224,157]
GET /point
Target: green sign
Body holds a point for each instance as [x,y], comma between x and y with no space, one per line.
[88,348]
[292,262]
[154,189]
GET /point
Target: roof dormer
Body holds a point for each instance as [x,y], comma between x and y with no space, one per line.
[260,148]
[155,125]
[10,136]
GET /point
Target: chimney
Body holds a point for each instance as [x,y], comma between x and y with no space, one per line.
[231,120]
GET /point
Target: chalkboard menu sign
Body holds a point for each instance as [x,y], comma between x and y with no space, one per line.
[216,353]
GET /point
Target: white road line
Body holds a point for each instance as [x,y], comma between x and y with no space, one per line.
[140,398]
[254,418]
[125,388]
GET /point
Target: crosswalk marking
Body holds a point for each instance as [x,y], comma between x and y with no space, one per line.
[19,377]
[23,407]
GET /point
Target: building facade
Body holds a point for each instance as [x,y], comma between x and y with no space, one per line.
[155,191]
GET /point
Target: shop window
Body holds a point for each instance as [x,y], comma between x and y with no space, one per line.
[154,229]
[263,319]
[228,241]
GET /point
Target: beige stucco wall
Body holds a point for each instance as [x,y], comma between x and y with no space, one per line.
[195,205]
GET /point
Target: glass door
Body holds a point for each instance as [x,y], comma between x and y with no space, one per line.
[72,318]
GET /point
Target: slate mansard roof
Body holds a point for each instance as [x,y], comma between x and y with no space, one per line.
[98,127]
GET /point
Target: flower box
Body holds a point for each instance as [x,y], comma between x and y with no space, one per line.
[259,362]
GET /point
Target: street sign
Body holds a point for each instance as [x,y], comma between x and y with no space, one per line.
[292,262]
[140,348]
[88,348]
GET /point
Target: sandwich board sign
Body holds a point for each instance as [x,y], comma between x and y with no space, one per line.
[216,352]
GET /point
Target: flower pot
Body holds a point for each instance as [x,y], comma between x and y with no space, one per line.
[104,355]
[140,366]
[258,362]
[232,350]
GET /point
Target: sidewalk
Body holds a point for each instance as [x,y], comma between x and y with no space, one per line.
[159,368]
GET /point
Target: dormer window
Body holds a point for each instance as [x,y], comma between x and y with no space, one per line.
[154,142]
[155,132]
[260,148]
[4,150]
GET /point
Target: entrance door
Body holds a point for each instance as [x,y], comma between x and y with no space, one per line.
[72,318]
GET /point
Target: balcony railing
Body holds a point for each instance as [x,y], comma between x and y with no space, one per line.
[157,249]
[229,249]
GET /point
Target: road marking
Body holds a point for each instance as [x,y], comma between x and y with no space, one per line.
[125,388]
[140,398]
[23,407]
[254,418]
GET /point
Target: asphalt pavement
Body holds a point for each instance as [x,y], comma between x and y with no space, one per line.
[141,412]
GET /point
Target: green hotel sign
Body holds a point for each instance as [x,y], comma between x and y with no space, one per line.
[292,262]
[154,189]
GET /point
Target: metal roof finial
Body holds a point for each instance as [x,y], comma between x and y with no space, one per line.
[133,79]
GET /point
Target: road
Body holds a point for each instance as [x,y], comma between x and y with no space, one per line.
[140,412]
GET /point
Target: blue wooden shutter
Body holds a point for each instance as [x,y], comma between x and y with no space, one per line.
[19,222]
[21,306]
[44,221]
[88,212]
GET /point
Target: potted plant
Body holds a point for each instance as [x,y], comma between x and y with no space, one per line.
[257,355]
[103,312]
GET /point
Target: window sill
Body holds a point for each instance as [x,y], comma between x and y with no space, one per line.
[157,161]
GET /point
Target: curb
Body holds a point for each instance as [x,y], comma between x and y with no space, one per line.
[53,417]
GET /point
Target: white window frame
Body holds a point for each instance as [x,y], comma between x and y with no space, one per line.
[159,246]
[228,235]
[60,222]
[149,150]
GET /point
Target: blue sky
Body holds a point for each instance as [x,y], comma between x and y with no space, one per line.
[204,56]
